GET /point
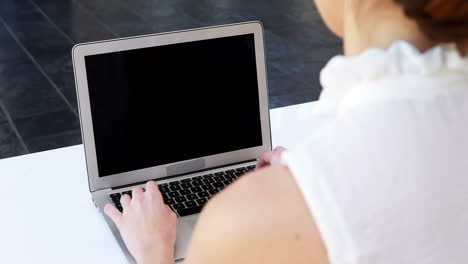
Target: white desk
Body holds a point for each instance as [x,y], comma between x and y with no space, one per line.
[47,213]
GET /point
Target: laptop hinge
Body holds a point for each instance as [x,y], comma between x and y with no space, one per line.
[182,174]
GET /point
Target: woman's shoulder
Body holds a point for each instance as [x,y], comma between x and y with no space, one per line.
[261,218]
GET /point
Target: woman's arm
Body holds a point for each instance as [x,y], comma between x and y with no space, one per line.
[261,218]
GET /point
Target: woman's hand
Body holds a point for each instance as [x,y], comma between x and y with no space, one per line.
[147,225]
[270,157]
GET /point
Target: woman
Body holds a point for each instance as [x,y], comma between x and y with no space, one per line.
[384,181]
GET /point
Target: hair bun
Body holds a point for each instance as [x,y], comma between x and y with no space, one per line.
[448,11]
[440,20]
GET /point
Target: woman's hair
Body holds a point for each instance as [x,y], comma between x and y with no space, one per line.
[440,20]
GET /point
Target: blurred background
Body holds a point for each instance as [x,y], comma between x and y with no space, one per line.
[38,107]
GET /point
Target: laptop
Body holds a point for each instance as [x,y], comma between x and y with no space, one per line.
[187,109]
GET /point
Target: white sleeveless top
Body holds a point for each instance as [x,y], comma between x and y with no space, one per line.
[386,177]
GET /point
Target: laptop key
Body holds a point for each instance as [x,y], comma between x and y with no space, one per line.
[218,184]
[230,176]
[174,182]
[175,187]
[185,192]
[219,173]
[207,187]
[201,201]
[197,183]
[208,181]
[169,201]
[213,192]
[203,194]
[173,194]
[226,182]
[178,206]
[180,199]
[196,178]
[186,180]
[196,189]
[218,178]
[186,185]
[189,211]
[192,197]
[190,204]
[115,197]
[164,189]
[207,176]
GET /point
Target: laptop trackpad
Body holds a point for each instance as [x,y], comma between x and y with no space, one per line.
[184,232]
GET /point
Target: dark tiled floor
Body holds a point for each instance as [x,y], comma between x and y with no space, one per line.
[38,108]
[9,142]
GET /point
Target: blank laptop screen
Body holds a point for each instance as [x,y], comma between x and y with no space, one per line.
[171,103]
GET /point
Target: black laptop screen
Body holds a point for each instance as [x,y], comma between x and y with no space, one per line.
[171,103]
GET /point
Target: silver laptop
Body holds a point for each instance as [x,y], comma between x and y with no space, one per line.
[188,109]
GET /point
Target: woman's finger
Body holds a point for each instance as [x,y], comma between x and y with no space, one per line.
[168,208]
[125,200]
[153,190]
[151,186]
[279,149]
[276,156]
[113,213]
[270,157]
[137,192]
[264,159]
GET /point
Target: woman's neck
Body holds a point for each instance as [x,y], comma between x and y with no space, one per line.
[365,28]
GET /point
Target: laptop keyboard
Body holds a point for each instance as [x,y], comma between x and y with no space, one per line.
[188,196]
